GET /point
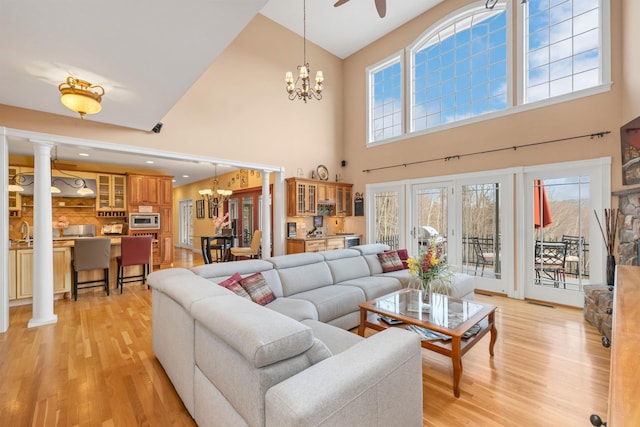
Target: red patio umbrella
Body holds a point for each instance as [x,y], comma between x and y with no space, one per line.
[540,205]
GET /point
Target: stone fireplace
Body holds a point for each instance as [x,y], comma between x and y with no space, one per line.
[628,226]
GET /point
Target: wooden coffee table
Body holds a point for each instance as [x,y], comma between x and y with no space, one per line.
[447,315]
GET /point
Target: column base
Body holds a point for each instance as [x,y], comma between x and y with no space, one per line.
[41,322]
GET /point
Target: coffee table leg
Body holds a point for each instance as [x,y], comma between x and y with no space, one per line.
[363,319]
[456,359]
[494,333]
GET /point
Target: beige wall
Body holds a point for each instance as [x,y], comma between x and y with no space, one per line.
[238,109]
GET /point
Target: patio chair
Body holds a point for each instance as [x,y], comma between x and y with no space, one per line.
[575,246]
[482,258]
[550,259]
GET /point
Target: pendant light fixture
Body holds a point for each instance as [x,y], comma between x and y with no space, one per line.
[301,88]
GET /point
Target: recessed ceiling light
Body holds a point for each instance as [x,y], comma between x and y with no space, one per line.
[185,176]
[149,162]
[83,154]
[173,180]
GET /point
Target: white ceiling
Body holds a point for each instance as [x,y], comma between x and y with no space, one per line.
[131,48]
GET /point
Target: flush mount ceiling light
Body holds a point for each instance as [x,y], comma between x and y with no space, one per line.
[81,96]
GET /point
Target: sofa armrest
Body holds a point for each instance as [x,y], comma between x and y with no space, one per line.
[378,381]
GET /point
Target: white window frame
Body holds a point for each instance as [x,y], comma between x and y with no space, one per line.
[605,60]
[397,57]
[452,18]
[514,82]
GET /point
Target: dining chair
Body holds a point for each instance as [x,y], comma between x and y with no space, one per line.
[91,254]
[482,258]
[550,259]
[251,251]
[134,250]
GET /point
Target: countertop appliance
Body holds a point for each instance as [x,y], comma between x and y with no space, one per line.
[76,231]
[110,229]
[144,221]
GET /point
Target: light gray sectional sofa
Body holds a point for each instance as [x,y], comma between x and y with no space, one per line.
[291,362]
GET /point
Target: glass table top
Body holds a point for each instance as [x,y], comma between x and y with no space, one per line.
[443,311]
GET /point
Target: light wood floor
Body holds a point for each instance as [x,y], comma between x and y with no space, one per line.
[95,367]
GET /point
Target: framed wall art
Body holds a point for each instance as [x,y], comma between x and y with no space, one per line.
[200,209]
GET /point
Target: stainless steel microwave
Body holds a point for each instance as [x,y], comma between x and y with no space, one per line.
[144,221]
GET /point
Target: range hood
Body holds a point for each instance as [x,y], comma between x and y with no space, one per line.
[68,187]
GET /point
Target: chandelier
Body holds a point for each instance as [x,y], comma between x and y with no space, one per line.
[81,96]
[216,195]
[304,91]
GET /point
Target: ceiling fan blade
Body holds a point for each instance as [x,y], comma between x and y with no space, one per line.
[381,5]
[340,3]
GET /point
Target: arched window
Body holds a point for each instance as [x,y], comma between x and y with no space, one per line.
[459,68]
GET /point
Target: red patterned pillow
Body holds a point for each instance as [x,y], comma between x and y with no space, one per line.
[390,261]
[403,254]
[258,289]
[233,284]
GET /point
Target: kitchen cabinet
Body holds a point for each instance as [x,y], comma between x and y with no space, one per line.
[111,195]
[24,272]
[302,197]
[306,197]
[155,192]
[166,190]
[143,190]
[12,276]
[317,244]
[344,200]
[15,200]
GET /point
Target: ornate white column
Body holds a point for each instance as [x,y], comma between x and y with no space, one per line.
[266,215]
[278,202]
[43,244]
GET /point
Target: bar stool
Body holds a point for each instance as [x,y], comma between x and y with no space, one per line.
[134,250]
[91,254]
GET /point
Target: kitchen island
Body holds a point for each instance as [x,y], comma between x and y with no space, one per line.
[21,270]
[297,245]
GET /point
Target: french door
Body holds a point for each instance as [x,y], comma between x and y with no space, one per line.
[562,242]
[185,217]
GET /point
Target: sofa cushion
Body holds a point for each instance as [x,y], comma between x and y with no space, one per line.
[348,268]
[191,289]
[257,289]
[260,335]
[336,339]
[233,284]
[333,302]
[297,309]
[302,272]
[222,270]
[375,286]
[390,261]
[404,256]
[371,248]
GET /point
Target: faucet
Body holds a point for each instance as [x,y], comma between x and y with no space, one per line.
[24,229]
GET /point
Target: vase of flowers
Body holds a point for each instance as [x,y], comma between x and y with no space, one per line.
[220,222]
[430,271]
[609,237]
[61,224]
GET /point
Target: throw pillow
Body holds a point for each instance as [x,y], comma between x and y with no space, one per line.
[258,289]
[390,261]
[233,284]
[403,254]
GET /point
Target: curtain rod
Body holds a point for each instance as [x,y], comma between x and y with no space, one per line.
[495,150]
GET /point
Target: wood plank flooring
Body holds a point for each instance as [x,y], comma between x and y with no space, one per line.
[95,367]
